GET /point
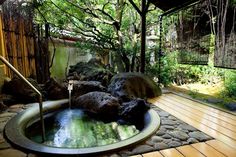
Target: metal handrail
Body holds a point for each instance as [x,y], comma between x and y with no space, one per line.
[32,87]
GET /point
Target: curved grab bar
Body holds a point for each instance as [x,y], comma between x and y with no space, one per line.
[32,87]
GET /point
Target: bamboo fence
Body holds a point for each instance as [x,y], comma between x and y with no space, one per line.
[18,44]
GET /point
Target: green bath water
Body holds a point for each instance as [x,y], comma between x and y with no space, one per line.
[74,129]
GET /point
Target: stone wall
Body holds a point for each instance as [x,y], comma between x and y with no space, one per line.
[66,54]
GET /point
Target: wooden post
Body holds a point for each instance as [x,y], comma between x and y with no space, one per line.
[143,36]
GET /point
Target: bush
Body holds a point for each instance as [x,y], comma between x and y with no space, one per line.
[172,72]
[230,83]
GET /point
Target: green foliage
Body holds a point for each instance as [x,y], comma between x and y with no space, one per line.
[230,83]
[172,72]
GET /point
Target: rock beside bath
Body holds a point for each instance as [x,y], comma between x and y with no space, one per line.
[133,85]
[3,107]
[133,111]
[54,90]
[99,104]
[20,90]
[93,70]
[84,87]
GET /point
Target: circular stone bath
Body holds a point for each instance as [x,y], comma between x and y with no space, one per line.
[16,135]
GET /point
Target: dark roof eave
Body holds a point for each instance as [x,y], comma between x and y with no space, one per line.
[167,5]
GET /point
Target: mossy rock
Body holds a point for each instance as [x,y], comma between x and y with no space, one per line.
[133,85]
[91,71]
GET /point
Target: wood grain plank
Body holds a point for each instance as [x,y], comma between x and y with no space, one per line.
[222,147]
[201,118]
[205,107]
[152,154]
[171,153]
[226,124]
[194,123]
[208,110]
[189,151]
[207,150]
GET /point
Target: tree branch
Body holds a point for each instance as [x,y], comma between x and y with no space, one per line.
[135,7]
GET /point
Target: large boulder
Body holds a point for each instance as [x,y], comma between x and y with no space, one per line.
[133,85]
[133,111]
[99,104]
[20,90]
[84,87]
[54,90]
[94,70]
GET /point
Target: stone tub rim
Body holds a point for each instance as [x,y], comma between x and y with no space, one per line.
[15,127]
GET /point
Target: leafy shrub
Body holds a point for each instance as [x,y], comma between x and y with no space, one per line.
[230,83]
[172,72]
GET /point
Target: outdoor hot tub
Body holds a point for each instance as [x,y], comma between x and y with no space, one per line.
[66,134]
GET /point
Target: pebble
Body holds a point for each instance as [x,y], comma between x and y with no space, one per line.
[7,114]
[192,140]
[142,149]
[161,131]
[199,136]
[187,127]
[179,135]
[156,139]
[174,144]
[160,146]
[171,118]
[168,122]
[166,141]
[168,127]
[163,114]
[149,142]
[166,136]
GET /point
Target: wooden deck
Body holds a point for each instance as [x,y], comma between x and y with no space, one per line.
[216,123]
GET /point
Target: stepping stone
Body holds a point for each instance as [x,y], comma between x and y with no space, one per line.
[168,122]
[166,136]
[163,114]
[161,131]
[192,140]
[199,136]
[168,127]
[156,139]
[187,127]
[179,135]
[142,149]
[160,146]
[174,144]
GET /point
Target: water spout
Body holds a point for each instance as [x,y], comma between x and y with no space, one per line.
[70,88]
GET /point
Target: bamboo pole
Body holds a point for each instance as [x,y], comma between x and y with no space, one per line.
[2,41]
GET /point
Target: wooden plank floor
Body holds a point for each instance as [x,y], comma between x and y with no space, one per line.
[216,123]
